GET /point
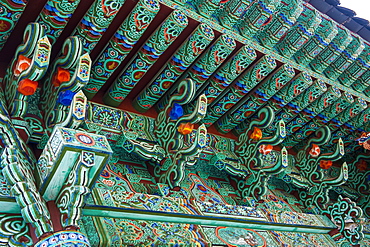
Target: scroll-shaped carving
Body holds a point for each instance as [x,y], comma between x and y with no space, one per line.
[260,166]
[174,166]
[146,150]
[26,83]
[358,173]
[180,152]
[14,231]
[359,179]
[29,62]
[310,164]
[75,188]
[76,112]
[166,128]
[347,216]
[70,73]
[19,175]
[318,193]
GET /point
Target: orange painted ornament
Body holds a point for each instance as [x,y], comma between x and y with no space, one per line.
[27,87]
[325,164]
[22,64]
[315,150]
[185,128]
[265,149]
[62,75]
[256,135]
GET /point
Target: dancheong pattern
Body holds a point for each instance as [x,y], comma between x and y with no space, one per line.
[183,123]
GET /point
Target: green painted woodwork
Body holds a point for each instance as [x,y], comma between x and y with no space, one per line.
[206,8]
[11,11]
[356,69]
[248,80]
[121,44]
[345,59]
[324,117]
[278,74]
[36,46]
[321,38]
[179,153]
[300,33]
[159,41]
[285,16]
[17,163]
[201,220]
[332,51]
[76,63]
[55,16]
[189,51]
[67,147]
[205,66]
[341,212]
[260,166]
[228,73]
[362,84]
[96,21]
[250,104]
[257,15]
[299,103]
[233,12]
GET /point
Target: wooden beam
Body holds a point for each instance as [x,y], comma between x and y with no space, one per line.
[245,222]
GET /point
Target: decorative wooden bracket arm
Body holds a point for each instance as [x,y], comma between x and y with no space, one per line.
[76,112]
[347,216]
[336,155]
[357,174]
[255,148]
[309,158]
[249,141]
[198,114]
[60,72]
[341,179]
[61,87]
[186,92]
[169,121]
[306,159]
[277,138]
[280,165]
[191,153]
[318,194]
[146,150]
[20,65]
[174,166]
[255,152]
[322,136]
[255,184]
[25,84]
